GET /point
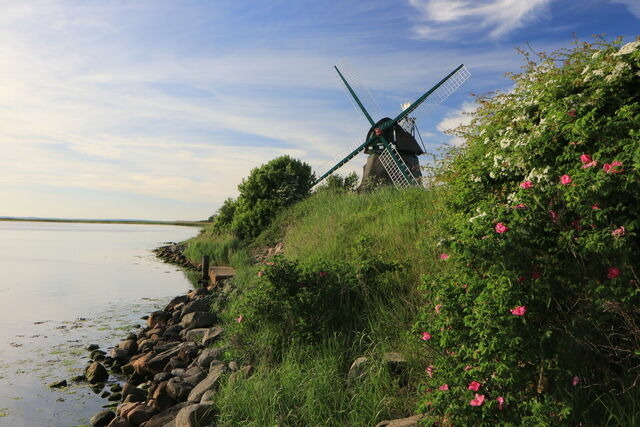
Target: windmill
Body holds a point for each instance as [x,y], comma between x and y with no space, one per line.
[391,143]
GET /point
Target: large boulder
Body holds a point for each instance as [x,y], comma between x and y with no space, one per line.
[96,373]
[140,414]
[211,335]
[157,318]
[158,362]
[178,389]
[198,319]
[202,304]
[102,418]
[167,416]
[120,422]
[211,380]
[358,369]
[130,346]
[196,415]
[207,356]
[195,334]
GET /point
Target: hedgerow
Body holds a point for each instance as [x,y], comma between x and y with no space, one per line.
[544,303]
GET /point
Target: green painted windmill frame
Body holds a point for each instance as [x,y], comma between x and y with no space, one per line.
[377,143]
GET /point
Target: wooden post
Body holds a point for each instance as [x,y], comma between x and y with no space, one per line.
[205,269]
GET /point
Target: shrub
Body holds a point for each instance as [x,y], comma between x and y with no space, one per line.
[224,216]
[545,299]
[279,183]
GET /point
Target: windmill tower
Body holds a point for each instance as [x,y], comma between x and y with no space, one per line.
[390,143]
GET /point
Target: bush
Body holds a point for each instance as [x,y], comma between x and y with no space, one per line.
[224,216]
[279,183]
[545,301]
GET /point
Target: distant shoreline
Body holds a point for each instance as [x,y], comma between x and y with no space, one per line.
[109,221]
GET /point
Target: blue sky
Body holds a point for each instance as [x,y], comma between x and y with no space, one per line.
[157,109]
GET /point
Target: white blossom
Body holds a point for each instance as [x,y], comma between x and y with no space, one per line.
[627,48]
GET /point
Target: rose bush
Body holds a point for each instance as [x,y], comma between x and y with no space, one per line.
[545,301]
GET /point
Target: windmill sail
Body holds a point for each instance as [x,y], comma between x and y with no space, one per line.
[397,169]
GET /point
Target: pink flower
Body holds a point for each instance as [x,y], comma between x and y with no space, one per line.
[611,168]
[618,232]
[521,279]
[535,274]
[571,113]
[520,206]
[444,256]
[478,400]
[565,180]
[426,336]
[430,370]
[575,381]
[501,228]
[444,387]
[260,273]
[553,215]
[585,158]
[474,386]
[590,165]
[595,207]
[239,319]
[526,185]
[438,308]
[323,274]
[613,272]
[500,400]
[519,310]
[467,368]
[269,263]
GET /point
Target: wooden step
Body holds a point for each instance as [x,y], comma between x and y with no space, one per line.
[220,272]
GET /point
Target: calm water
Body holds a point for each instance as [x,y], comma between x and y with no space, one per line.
[63,287]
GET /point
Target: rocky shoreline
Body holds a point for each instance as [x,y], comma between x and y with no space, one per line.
[166,374]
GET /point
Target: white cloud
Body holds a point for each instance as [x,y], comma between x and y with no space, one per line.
[633,5]
[455,119]
[446,19]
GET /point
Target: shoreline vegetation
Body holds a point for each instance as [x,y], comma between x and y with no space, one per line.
[505,293]
[108,221]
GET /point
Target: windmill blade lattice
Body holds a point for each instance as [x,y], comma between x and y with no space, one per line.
[394,165]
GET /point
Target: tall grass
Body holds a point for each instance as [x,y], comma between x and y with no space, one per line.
[220,248]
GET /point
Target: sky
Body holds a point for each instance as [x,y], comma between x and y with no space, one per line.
[155,109]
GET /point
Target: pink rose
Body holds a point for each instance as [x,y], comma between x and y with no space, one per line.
[585,158]
[612,168]
[595,207]
[426,336]
[590,165]
[260,273]
[526,185]
[520,206]
[474,386]
[500,400]
[478,400]
[575,381]
[519,310]
[571,113]
[613,272]
[467,368]
[438,308]
[239,319]
[501,228]
[553,215]
[618,232]
[565,180]
[444,387]
[444,256]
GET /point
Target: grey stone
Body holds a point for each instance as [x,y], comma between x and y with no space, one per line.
[195,334]
[358,369]
[140,414]
[102,418]
[196,415]
[166,416]
[203,304]
[212,335]
[178,389]
[120,422]
[198,319]
[58,384]
[214,375]
[96,373]
[208,396]
[130,346]
[208,355]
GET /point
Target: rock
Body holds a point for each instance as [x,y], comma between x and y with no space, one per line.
[162,376]
[178,389]
[158,362]
[157,317]
[105,394]
[119,354]
[97,355]
[161,399]
[196,293]
[195,334]
[198,319]
[129,389]
[211,335]
[196,415]
[214,375]
[188,351]
[115,397]
[125,408]
[358,369]
[195,377]
[58,384]
[402,422]
[139,365]
[167,416]
[119,422]
[140,414]
[130,346]
[79,379]
[96,373]
[102,418]
[181,299]
[92,347]
[233,366]
[203,304]
[208,396]
[116,388]
[395,361]
[208,355]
